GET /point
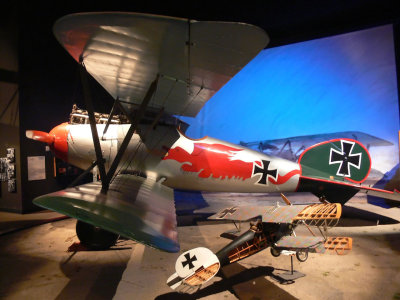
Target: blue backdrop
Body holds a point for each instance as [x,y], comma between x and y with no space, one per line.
[339,83]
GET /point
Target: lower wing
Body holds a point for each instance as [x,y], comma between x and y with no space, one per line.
[134,207]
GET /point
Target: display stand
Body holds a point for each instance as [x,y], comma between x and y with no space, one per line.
[291,275]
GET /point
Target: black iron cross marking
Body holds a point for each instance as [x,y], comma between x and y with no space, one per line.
[264,172]
[227,211]
[345,158]
[189,261]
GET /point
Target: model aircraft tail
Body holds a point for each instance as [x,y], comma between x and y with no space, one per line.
[194,268]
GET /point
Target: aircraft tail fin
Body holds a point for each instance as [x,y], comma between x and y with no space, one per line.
[332,170]
[193,268]
[338,160]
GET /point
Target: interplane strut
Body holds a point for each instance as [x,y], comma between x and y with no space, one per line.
[107,176]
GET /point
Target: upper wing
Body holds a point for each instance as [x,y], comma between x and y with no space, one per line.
[269,214]
[124,52]
[134,207]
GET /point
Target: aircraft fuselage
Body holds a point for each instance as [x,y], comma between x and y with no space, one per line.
[205,164]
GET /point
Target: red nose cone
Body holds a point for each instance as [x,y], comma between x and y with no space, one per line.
[60,145]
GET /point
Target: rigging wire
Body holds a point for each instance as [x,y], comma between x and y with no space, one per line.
[190,102]
[190,44]
[138,164]
[169,92]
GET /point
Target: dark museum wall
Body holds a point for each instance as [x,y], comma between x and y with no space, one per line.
[9,116]
[49,82]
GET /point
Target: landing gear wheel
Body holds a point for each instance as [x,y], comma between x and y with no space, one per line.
[275,252]
[94,237]
[302,255]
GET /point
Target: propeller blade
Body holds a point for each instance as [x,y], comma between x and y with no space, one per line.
[40,136]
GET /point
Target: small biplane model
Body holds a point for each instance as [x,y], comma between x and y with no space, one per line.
[156,69]
[274,228]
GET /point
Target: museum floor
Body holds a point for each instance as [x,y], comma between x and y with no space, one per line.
[35,264]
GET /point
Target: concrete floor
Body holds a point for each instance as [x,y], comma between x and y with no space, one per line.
[35,264]
[10,222]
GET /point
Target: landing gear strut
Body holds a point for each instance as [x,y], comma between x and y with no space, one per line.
[94,237]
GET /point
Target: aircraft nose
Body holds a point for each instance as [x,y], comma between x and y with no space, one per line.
[60,144]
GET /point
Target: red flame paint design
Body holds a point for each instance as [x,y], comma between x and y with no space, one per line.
[212,159]
[283,179]
[215,160]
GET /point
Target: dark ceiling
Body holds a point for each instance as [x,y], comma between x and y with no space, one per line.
[49,77]
[285,21]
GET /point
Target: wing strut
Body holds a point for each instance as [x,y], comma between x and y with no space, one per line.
[106,177]
[92,120]
[112,113]
[134,125]
[123,110]
[79,178]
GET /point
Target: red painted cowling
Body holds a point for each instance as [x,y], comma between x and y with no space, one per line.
[60,144]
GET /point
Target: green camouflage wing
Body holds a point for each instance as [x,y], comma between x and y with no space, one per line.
[134,207]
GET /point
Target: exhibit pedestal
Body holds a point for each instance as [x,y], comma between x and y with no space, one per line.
[291,275]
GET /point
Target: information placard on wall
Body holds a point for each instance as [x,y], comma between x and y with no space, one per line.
[36,168]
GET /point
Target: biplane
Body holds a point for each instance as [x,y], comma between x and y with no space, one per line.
[156,69]
[275,228]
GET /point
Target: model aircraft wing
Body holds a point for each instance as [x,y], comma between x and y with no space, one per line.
[125,52]
[238,213]
[299,242]
[269,214]
[311,214]
[134,207]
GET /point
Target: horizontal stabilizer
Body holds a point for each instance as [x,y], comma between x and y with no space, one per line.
[193,268]
[395,195]
[340,245]
[341,191]
[136,208]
